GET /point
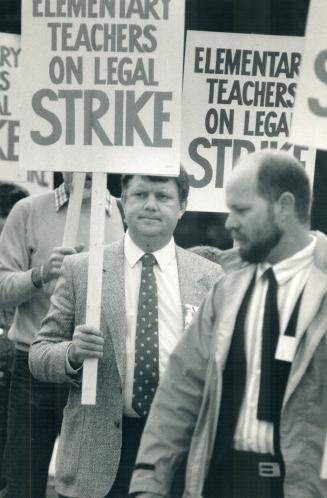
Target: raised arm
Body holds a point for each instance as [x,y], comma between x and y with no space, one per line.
[47,355]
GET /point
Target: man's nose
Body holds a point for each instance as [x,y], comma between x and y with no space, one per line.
[151,202]
[231,222]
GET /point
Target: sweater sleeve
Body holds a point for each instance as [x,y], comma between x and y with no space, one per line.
[16,284]
[47,354]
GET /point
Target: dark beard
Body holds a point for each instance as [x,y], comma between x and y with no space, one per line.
[260,249]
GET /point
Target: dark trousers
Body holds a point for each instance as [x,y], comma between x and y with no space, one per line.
[4,397]
[132,432]
[6,353]
[246,475]
[34,420]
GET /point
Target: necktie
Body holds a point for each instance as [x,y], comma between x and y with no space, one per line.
[234,375]
[146,367]
[270,334]
[232,391]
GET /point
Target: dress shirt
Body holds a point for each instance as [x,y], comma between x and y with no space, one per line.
[291,275]
[170,313]
[62,198]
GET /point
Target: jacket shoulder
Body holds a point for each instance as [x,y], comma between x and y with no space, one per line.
[81,260]
[77,262]
[39,199]
[114,247]
[199,263]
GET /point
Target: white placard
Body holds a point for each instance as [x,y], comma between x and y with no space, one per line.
[309,126]
[37,182]
[102,85]
[10,91]
[238,95]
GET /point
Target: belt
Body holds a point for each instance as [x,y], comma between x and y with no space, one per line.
[264,465]
[269,469]
[242,474]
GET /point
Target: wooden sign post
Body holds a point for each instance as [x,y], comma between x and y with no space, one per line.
[93,301]
[72,218]
[74,210]
[323,473]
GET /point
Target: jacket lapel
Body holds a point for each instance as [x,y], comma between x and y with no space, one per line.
[228,309]
[193,283]
[189,288]
[313,294]
[311,327]
[113,299]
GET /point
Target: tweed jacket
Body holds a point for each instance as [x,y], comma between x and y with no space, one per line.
[185,410]
[90,441]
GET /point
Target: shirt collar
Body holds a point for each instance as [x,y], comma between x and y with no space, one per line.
[62,198]
[133,253]
[286,269]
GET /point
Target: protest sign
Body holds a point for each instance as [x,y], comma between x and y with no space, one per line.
[309,125]
[37,182]
[102,85]
[238,95]
[9,107]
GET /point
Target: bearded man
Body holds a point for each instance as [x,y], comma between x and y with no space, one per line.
[245,391]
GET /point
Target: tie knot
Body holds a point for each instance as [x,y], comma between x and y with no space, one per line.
[148,259]
[270,275]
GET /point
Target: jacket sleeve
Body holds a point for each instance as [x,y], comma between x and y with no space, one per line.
[16,284]
[173,415]
[47,355]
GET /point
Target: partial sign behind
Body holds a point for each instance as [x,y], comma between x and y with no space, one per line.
[238,97]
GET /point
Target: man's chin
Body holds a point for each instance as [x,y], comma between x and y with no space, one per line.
[149,230]
[252,255]
[149,227]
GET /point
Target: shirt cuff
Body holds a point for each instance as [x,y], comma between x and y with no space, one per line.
[69,369]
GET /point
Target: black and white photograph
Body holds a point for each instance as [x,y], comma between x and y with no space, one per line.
[163,249]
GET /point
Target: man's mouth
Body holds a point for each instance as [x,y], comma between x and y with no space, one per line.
[239,239]
[149,218]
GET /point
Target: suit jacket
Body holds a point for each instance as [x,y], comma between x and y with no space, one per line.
[185,411]
[90,441]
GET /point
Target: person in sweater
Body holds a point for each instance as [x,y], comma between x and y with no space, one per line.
[31,255]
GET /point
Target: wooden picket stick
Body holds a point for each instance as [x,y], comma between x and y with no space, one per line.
[74,210]
[72,219]
[94,285]
[323,473]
